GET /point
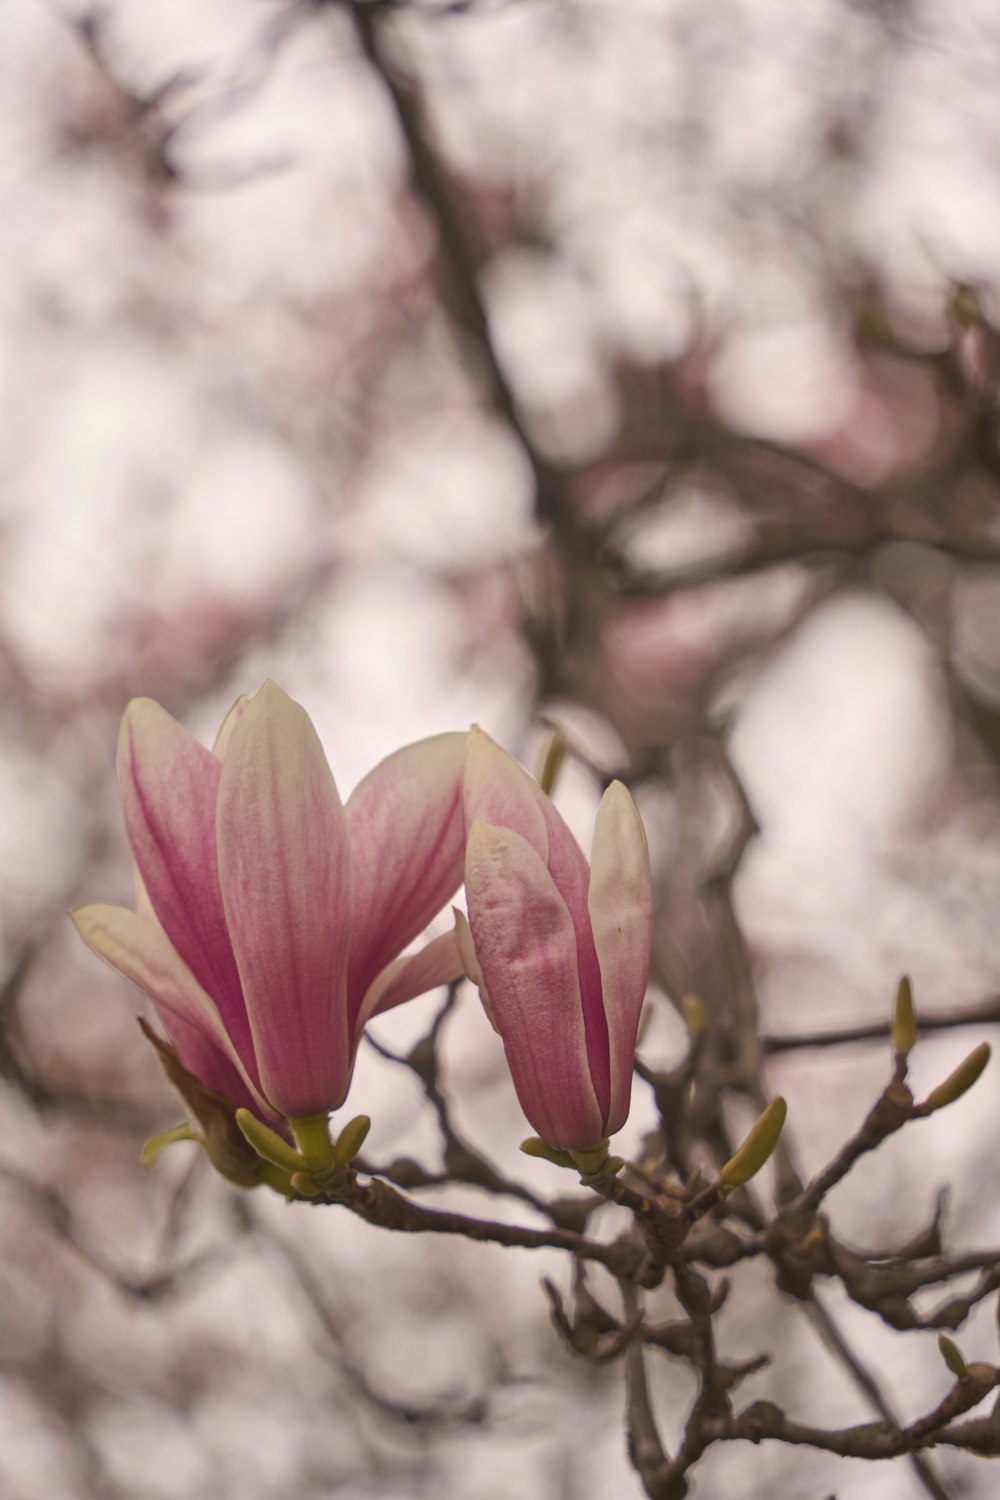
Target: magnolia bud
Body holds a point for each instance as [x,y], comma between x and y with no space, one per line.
[959,1082]
[951,1354]
[904,1019]
[757,1147]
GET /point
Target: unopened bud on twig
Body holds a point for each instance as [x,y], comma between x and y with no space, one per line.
[959,1082]
[904,1019]
[555,754]
[952,1356]
[695,1017]
[757,1147]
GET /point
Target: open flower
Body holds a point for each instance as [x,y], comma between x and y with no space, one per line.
[270,916]
[560,953]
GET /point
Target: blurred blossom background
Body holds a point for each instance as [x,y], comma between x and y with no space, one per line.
[626,368]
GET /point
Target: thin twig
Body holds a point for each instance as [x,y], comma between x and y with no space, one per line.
[985,1012]
[866,1382]
[380,1204]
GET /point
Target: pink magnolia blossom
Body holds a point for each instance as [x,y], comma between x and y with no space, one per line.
[270,917]
[560,953]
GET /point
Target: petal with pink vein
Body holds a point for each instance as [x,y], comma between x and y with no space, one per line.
[169,784]
[496,790]
[525,943]
[285,871]
[139,949]
[437,963]
[407,839]
[621,914]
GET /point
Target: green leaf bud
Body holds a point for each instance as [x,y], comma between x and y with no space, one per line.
[904,1019]
[951,1354]
[757,1147]
[959,1082]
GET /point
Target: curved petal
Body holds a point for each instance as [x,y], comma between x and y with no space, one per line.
[500,792]
[169,784]
[496,790]
[571,873]
[437,963]
[526,946]
[407,840]
[221,743]
[139,949]
[621,914]
[198,1053]
[200,1056]
[285,870]
[470,963]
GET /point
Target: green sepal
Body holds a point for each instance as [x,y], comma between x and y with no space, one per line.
[757,1147]
[268,1144]
[596,1168]
[157,1144]
[959,1082]
[602,1175]
[535,1146]
[592,1160]
[304,1186]
[276,1178]
[904,1019]
[312,1136]
[952,1356]
[350,1140]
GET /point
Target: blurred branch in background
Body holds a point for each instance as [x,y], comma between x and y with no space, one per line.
[633,371]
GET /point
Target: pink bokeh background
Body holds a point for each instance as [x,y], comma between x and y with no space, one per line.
[246,435]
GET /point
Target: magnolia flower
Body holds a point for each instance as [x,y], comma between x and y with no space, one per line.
[560,953]
[270,917]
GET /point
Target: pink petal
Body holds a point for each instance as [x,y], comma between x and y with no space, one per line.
[496,790]
[137,948]
[199,1054]
[202,1057]
[285,870]
[437,963]
[221,744]
[470,963]
[571,874]
[143,905]
[526,947]
[407,840]
[621,914]
[169,784]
